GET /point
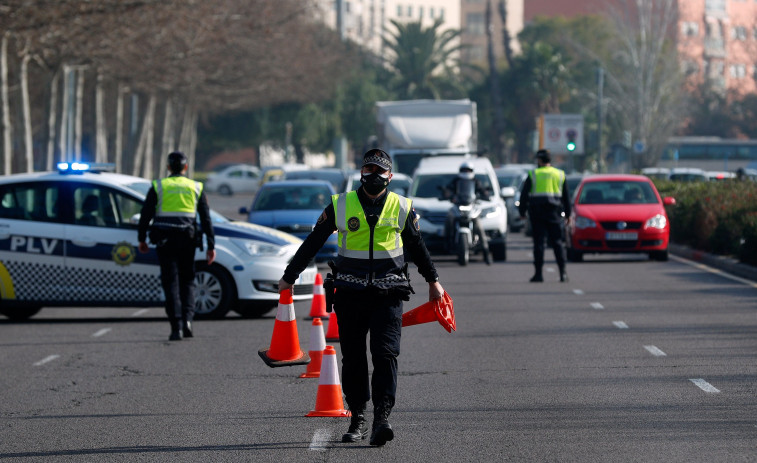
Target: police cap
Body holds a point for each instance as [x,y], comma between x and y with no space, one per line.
[377,157]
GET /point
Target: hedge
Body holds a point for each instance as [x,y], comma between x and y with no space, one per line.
[716,217]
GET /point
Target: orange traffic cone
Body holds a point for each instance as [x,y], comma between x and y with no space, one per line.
[318,306]
[285,344]
[440,310]
[332,334]
[328,400]
[317,344]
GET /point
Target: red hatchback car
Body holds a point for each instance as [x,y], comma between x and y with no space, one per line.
[618,213]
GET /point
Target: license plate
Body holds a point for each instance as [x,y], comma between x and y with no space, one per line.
[627,236]
[307,278]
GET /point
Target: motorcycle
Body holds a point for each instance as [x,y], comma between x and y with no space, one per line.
[464,232]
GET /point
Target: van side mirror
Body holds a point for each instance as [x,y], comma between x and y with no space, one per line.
[507,192]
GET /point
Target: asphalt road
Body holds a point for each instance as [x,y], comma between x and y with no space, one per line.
[632,360]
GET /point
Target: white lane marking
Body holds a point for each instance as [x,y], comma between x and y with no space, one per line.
[49,358]
[621,325]
[704,385]
[655,351]
[140,312]
[320,439]
[101,332]
[714,270]
[597,306]
[578,292]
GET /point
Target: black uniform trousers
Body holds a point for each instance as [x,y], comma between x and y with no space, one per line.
[177,275]
[360,313]
[548,226]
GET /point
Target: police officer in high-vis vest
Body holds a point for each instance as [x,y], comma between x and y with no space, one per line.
[377,233]
[545,196]
[172,204]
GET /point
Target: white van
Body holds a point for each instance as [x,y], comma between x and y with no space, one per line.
[432,174]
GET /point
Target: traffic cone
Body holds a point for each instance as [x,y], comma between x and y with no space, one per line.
[285,344]
[318,306]
[332,333]
[328,400]
[440,310]
[317,344]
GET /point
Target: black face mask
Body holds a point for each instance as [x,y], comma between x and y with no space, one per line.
[374,183]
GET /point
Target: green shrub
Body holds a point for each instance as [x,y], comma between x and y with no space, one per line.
[748,249]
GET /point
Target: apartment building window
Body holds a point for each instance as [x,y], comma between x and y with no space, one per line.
[737,71]
[399,11]
[714,5]
[738,32]
[420,12]
[431,11]
[474,24]
[441,13]
[410,11]
[690,28]
[690,67]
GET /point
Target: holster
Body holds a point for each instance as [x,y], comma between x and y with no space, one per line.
[328,287]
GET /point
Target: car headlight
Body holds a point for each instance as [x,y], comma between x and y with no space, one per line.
[259,248]
[659,221]
[585,222]
[491,211]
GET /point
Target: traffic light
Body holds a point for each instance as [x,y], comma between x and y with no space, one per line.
[571,145]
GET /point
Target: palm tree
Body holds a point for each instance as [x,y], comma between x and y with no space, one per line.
[425,62]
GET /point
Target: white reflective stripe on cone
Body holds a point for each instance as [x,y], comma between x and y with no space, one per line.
[317,338]
[285,313]
[318,290]
[329,373]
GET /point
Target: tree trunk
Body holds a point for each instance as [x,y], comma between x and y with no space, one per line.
[498,126]
[52,120]
[119,144]
[64,115]
[150,138]
[7,127]
[505,33]
[188,137]
[168,137]
[101,134]
[142,146]
[26,112]
[79,76]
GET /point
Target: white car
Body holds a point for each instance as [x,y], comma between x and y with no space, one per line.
[236,178]
[435,172]
[69,238]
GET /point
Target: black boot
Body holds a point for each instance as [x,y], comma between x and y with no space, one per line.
[563,276]
[382,430]
[186,329]
[175,331]
[358,429]
[537,278]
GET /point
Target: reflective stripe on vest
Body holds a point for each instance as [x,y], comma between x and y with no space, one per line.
[177,197]
[546,182]
[354,232]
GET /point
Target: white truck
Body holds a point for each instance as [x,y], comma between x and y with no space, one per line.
[411,130]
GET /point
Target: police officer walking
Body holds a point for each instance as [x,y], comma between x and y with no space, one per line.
[172,204]
[545,196]
[377,230]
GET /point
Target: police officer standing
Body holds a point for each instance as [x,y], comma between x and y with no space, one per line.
[172,204]
[545,196]
[377,230]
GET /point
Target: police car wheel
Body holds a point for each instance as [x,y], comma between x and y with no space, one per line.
[214,291]
[20,313]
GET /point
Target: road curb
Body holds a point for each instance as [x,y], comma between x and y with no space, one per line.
[726,264]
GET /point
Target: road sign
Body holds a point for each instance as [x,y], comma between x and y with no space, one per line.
[638,147]
[559,130]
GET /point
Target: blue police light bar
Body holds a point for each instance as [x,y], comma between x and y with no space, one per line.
[81,167]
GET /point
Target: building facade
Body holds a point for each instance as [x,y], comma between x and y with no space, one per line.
[474,37]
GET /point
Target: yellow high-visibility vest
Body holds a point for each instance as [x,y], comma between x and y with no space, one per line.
[177,196]
[546,182]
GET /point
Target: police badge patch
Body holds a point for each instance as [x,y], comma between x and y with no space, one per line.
[353,224]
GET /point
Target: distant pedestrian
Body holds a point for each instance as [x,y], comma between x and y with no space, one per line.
[545,196]
[172,204]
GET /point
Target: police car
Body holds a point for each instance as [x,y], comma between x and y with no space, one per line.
[69,238]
